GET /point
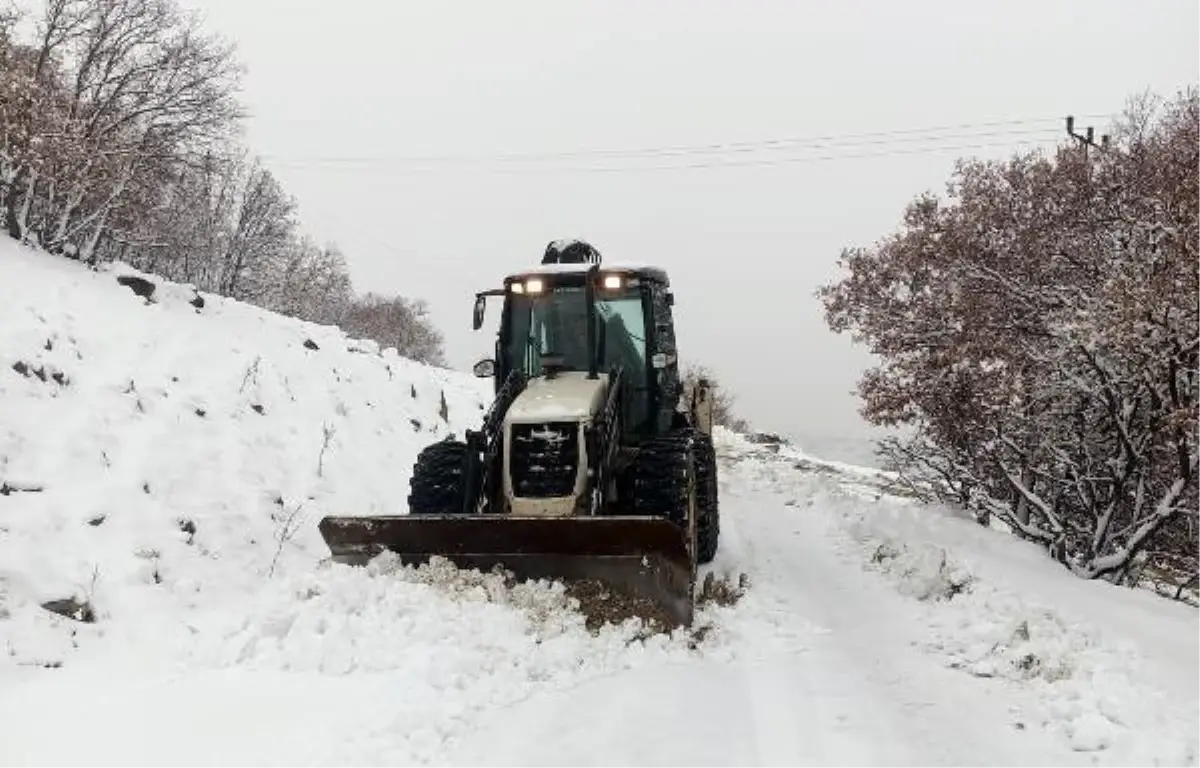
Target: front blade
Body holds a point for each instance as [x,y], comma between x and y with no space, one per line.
[644,557]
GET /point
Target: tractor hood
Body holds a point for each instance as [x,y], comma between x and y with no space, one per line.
[569,396]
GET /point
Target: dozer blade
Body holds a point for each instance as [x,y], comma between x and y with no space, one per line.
[643,557]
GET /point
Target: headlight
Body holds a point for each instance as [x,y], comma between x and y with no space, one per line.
[531,285]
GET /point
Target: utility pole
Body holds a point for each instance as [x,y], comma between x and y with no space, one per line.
[1086,140]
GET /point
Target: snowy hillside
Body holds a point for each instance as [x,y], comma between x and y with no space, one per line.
[166,464]
[172,447]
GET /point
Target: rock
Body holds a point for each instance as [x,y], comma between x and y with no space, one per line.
[310,344]
[7,488]
[139,285]
[41,372]
[71,608]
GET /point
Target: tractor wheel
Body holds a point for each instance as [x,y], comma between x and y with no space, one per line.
[439,480]
[708,522]
[664,480]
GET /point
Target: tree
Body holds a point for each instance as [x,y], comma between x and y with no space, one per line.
[1038,331]
[312,283]
[722,398]
[261,246]
[123,88]
[395,322]
[118,128]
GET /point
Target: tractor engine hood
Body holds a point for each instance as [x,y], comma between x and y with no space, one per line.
[568,396]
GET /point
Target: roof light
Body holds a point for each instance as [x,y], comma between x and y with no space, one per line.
[534,285]
[612,282]
[517,288]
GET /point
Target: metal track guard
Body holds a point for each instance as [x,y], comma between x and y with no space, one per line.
[644,557]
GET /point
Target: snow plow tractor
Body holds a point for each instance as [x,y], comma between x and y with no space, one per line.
[588,466]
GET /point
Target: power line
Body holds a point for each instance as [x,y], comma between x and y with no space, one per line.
[811,158]
[632,155]
[893,136]
[731,163]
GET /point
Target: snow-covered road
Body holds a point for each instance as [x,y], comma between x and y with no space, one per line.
[817,666]
[851,687]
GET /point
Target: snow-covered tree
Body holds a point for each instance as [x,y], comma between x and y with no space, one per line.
[722,398]
[395,322]
[123,88]
[1038,331]
[118,140]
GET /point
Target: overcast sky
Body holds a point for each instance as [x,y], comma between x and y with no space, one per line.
[347,97]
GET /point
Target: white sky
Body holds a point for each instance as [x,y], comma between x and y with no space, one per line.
[747,246]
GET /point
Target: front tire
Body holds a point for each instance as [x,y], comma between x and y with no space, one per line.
[708,513]
[439,484]
[665,482]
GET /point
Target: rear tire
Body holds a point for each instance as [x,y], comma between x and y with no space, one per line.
[439,480]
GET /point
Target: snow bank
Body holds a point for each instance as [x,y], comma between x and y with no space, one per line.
[157,456]
[1116,670]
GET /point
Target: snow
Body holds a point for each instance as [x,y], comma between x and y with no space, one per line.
[570,396]
[873,630]
[158,432]
[573,268]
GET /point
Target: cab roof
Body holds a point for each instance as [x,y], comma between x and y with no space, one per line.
[643,271]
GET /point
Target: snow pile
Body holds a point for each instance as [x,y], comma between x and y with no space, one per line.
[452,644]
[157,456]
[455,644]
[1114,669]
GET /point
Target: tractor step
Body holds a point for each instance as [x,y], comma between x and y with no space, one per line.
[646,558]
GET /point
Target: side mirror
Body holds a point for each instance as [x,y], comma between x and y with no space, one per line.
[484,369]
[480,308]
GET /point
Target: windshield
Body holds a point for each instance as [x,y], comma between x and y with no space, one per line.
[555,323]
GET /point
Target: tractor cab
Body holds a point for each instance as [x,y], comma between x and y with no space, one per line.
[584,321]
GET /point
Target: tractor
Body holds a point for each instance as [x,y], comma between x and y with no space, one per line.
[590,463]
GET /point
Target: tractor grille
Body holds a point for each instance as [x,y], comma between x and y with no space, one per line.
[544,459]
